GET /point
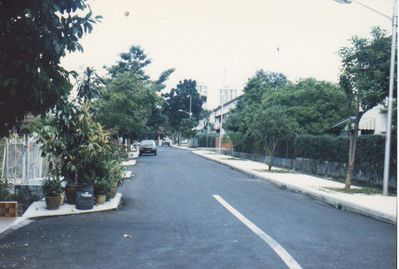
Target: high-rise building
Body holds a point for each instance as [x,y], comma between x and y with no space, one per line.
[203,90]
[226,95]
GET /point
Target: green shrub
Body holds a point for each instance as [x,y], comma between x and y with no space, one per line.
[370,150]
[52,187]
[5,191]
[327,148]
[206,140]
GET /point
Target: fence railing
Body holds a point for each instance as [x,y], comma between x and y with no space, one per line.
[22,161]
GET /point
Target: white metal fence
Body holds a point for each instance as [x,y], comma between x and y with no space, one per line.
[22,161]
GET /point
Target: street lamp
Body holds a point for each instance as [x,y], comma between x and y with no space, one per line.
[188,113]
[394,20]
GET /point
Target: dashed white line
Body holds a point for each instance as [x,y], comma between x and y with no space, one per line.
[281,252]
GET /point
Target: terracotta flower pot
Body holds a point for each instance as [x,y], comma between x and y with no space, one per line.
[53,202]
[114,189]
[100,198]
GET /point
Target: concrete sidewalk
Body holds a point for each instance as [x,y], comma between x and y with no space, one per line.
[372,205]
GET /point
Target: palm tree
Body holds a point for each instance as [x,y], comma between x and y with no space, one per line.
[89,87]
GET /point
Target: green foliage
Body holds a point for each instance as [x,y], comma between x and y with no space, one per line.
[130,102]
[369,153]
[52,187]
[89,86]
[206,140]
[127,105]
[74,143]
[326,148]
[270,127]
[102,186]
[271,104]
[5,191]
[134,61]
[365,69]
[314,105]
[179,99]
[159,84]
[262,82]
[187,126]
[34,35]
[364,76]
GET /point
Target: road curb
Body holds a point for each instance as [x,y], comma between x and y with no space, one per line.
[31,214]
[337,203]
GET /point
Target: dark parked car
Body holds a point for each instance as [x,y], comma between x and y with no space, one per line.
[148,146]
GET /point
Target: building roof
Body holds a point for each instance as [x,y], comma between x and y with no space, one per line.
[227,103]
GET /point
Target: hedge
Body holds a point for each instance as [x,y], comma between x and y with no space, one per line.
[206,140]
[326,148]
[370,149]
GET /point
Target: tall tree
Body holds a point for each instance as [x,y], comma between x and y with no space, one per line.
[34,35]
[178,100]
[272,126]
[314,105]
[365,78]
[89,86]
[126,105]
[133,61]
[238,120]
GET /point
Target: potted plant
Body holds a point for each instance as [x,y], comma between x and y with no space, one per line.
[101,188]
[83,151]
[115,177]
[52,190]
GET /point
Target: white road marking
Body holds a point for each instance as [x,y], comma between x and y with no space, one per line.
[284,255]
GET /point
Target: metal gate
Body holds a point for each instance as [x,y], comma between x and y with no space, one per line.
[22,161]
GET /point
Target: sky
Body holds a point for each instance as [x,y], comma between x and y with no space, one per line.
[224,42]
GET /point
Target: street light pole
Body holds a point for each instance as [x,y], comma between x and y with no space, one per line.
[190,104]
[390,97]
[394,20]
[221,128]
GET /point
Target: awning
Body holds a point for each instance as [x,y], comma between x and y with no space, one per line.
[367,124]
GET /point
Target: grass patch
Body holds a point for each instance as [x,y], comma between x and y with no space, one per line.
[365,190]
[275,171]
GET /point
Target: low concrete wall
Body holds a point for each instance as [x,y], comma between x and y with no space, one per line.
[335,170]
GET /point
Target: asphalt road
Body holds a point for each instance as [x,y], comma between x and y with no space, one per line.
[171,219]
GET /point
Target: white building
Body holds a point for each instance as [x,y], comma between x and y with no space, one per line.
[222,111]
[226,95]
[203,90]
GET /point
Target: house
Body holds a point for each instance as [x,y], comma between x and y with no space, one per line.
[222,111]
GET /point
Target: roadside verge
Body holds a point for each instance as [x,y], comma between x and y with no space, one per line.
[371,205]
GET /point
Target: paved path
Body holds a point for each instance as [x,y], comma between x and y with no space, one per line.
[183,211]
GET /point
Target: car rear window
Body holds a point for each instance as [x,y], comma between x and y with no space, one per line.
[147,142]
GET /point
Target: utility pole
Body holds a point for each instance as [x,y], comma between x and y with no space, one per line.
[390,97]
[394,20]
[221,111]
[191,100]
